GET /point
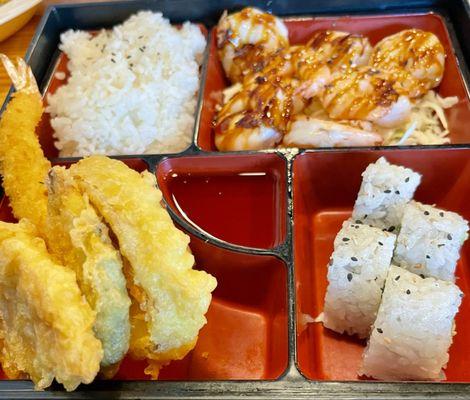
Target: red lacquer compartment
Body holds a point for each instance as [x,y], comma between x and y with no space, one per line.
[240,199]
[375,27]
[246,332]
[325,188]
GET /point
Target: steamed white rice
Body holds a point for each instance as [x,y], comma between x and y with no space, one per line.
[132,90]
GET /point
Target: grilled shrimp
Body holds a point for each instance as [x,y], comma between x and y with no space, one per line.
[295,62]
[255,117]
[341,49]
[365,94]
[414,57]
[312,132]
[245,38]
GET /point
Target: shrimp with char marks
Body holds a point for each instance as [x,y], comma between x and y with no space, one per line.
[245,38]
[341,50]
[415,59]
[365,94]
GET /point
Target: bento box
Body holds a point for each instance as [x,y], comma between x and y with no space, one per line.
[263,222]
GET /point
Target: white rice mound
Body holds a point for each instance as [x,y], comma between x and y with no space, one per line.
[356,275]
[414,328]
[131,90]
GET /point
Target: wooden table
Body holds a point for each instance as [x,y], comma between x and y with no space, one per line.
[17,44]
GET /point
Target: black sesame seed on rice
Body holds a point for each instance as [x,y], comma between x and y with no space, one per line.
[380,243]
[345,239]
[397,192]
[397,277]
[387,191]
[349,277]
[331,261]
[428,256]
[408,291]
[380,330]
[449,236]
[426,213]
[391,229]
[407,179]
[354,258]
[441,214]
[441,245]
[422,276]
[358,221]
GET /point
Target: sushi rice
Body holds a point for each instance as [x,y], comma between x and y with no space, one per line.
[385,190]
[356,275]
[430,240]
[413,331]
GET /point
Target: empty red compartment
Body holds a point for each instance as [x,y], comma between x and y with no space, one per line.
[246,332]
[375,27]
[325,189]
[240,199]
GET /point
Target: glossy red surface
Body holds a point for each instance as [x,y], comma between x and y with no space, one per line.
[246,332]
[239,199]
[325,188]
[375,28]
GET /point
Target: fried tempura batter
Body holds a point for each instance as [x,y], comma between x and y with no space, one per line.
[169,297]
[22,163]
[78,238]
[45,324]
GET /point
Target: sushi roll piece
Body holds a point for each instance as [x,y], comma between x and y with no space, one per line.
[414,328]
[430,240]
[356,275]
[385,190]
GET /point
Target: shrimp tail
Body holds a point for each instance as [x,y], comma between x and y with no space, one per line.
[21,76]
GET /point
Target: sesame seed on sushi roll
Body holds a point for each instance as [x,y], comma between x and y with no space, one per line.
[384,191]
[356,274]
[430,240]
[413,331]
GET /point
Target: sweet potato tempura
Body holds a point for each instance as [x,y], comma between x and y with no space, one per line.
[80,240]
[169,297]
[22,163]
[45,324]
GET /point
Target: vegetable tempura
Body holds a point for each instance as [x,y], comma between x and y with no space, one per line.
[79,238]
[45,324]
[169,297]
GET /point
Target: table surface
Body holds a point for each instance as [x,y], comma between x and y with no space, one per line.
[17,44]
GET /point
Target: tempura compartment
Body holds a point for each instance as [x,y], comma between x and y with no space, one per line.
[325,188]
[375,27]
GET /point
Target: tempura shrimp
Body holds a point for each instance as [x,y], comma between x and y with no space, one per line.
[341,50]
[414,57]
[23,165]
[245,38]
[365,94]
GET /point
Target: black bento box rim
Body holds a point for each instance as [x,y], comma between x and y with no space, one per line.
[291,384]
